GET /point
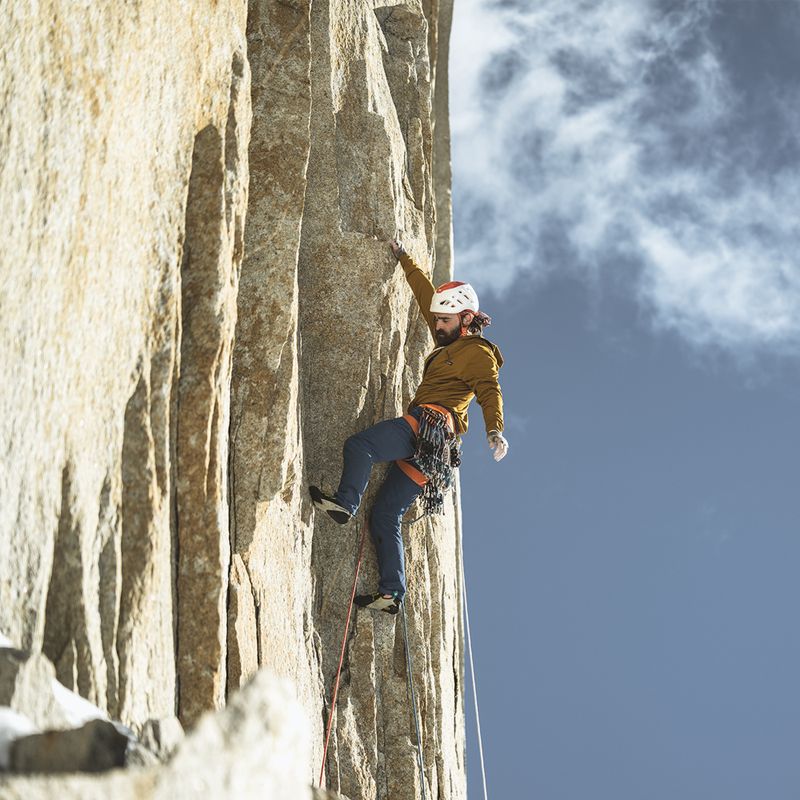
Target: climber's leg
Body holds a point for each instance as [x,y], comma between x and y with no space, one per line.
[387,441]
[394,498]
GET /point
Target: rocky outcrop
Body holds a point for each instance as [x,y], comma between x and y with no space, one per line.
[26,686]
[96,746]
[200,309]
[257,748]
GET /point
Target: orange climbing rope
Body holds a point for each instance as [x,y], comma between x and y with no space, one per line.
[341,655]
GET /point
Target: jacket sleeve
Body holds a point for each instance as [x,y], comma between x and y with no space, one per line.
[421,286]
[480,375]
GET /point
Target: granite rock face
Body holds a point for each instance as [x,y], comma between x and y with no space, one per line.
[197,307]
[124,183]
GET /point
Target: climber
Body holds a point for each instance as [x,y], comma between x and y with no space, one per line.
[424,443]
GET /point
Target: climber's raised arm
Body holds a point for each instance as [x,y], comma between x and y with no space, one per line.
[419,282]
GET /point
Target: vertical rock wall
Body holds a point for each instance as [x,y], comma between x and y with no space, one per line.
[200,308]
[123,190]
[269,612]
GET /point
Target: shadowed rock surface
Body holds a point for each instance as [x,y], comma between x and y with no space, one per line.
[97,746]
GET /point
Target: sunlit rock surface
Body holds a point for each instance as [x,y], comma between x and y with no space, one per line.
[197,307]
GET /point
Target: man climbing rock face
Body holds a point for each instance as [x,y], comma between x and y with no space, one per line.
[424,443]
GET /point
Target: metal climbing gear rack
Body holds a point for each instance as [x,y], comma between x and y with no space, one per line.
[437,457]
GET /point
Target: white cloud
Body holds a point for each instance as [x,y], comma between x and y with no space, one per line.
[590,134]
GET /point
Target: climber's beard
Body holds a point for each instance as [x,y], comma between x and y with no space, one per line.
[448,337]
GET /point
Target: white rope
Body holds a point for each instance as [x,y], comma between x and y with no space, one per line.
[472,674]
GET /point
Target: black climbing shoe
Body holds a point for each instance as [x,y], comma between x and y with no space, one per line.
[377,602]
[324,502]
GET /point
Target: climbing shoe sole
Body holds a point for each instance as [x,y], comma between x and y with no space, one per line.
[327,504]
[377,602]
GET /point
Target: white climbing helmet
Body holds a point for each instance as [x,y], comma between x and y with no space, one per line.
[453,298]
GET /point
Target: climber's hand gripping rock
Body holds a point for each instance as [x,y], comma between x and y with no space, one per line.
[498,443]
[397,248]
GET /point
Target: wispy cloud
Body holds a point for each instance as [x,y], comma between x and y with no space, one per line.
[594,137]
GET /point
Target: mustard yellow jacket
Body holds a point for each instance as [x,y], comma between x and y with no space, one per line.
[457,372]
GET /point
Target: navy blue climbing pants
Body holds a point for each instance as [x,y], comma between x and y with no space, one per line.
[389,440]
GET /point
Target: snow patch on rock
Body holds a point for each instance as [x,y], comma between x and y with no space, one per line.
[77,710]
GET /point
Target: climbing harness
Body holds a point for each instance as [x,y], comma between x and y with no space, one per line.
[332,712]
[437,456]
[410,677]
[472,675]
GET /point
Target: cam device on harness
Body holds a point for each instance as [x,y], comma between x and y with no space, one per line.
[437,457]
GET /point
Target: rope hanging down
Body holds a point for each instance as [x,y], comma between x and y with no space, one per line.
[409,673]
[332,712]
[472,675]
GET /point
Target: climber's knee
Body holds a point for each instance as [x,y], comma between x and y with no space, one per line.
[354,442]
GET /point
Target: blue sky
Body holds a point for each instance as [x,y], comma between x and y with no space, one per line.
[625,192]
